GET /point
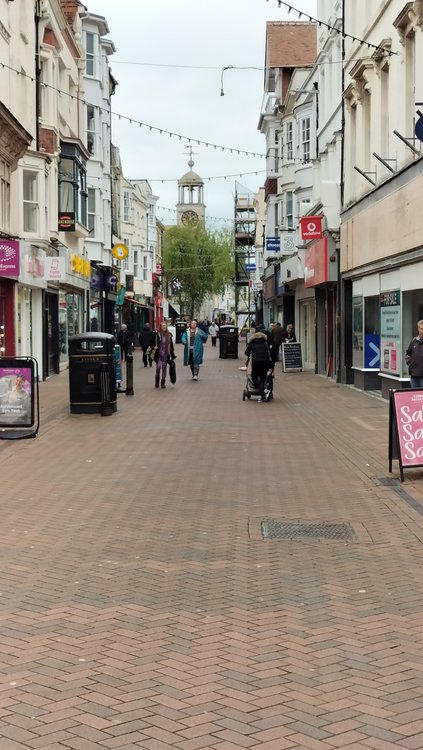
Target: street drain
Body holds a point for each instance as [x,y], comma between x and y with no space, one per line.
[274,529]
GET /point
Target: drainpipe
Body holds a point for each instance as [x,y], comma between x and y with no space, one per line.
[339,294]
[37,16]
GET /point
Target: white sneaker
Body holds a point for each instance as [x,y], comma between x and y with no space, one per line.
[195,377]
[259,400]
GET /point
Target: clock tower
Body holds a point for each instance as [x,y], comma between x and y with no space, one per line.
[190,208]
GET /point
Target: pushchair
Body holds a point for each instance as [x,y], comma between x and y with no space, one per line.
[252,388]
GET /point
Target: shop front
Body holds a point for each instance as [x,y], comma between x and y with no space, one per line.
[269,295]
[382,272]
[321,275]
[9,273]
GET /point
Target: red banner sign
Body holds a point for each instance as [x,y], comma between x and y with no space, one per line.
[311,227]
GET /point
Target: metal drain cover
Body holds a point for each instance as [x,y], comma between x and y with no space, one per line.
[273,529]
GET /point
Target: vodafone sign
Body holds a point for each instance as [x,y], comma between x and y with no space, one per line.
[311,227]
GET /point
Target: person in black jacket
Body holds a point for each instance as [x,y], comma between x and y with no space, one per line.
[124,339]
[414,358]
[146,340]
[261,360]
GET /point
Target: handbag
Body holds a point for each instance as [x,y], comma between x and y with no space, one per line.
[172,371]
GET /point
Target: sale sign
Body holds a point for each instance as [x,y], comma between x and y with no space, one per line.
[311,227]
[407,406]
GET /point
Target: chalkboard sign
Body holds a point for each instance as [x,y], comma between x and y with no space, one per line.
[292,358]
[406,428]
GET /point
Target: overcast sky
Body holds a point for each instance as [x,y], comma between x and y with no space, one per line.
[160,48]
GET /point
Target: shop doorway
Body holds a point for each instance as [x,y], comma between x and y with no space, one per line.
[307,332]
[51,334]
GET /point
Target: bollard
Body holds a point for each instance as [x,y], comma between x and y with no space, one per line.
[130,370]
[106,405]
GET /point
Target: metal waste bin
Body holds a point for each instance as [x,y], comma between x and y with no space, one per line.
[92,384]
[180,326]
[228,342]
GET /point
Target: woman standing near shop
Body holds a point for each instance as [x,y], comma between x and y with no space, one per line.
[163,354]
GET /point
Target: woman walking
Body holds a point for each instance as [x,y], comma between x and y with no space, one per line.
[193,339]
[164,353]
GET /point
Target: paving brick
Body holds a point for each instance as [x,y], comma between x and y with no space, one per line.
[142,607]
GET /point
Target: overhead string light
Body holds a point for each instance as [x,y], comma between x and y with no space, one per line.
[133,121]
[198,142]
[344,34]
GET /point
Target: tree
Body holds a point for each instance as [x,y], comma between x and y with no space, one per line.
[196,263]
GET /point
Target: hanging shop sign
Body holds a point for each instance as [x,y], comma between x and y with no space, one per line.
[311,227]
[120,251]
[66,221]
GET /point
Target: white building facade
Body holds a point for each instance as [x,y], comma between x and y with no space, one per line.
[382,223]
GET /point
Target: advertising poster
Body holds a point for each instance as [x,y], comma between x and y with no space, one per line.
[390,332]
[16,396]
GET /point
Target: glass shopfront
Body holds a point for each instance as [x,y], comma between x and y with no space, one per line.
[70,319]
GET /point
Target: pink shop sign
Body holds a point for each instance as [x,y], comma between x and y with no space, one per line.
[9,258]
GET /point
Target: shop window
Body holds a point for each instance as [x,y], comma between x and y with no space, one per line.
[358,338]
[412,312]
[30,201]
[73,182]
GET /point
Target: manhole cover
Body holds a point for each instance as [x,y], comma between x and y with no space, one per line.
[273,529]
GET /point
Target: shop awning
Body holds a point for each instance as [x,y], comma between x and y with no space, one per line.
[135,302]
[174,310]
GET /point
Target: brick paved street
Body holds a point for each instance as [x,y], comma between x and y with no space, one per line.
[142,607]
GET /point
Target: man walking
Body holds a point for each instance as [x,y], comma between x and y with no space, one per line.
[414,358]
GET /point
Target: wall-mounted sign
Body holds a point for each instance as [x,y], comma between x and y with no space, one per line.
[273,244]
[316,263]
[120,251]
[66,222]
[55,269]
[311,227]
[81,265]
[159,269]
[9,258]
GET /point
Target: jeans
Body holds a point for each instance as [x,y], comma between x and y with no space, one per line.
[416,381]
[195,369]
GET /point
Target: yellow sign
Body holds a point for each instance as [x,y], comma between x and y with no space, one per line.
[81,265]
[120,252]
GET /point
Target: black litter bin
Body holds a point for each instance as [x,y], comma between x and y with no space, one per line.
[228,342]
[181,326]
[92,383]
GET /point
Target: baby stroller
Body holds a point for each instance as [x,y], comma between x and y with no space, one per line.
[252,388]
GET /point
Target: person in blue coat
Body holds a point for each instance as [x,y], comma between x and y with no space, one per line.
[193,339]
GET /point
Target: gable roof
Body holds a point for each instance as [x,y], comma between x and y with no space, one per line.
[290,44]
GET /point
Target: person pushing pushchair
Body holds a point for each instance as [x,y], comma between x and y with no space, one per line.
[261,363]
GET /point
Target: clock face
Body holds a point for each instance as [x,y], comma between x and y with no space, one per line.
[189,217]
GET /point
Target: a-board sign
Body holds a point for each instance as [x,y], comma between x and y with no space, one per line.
[19,398]
[292,357]
[406,428]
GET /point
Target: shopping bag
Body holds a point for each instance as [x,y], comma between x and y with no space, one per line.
[172,371]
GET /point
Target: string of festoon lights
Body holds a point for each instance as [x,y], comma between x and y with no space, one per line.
[139,123]
[105,191]
[331,27]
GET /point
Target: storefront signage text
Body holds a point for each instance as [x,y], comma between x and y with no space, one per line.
[81,265]
[9,258]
